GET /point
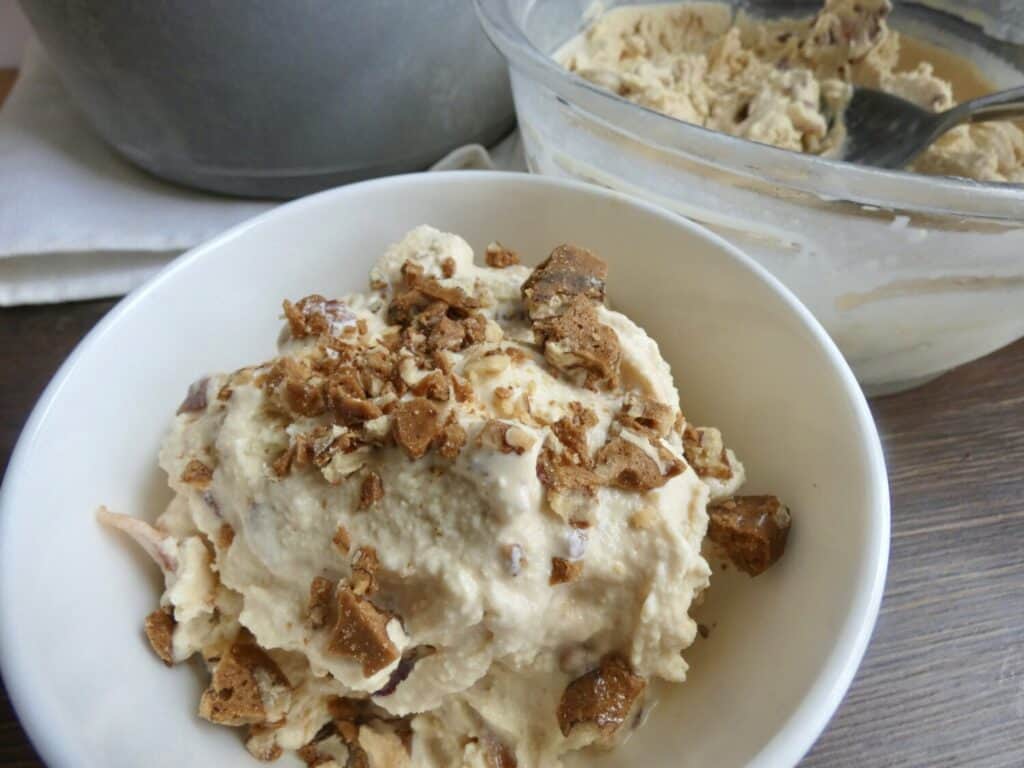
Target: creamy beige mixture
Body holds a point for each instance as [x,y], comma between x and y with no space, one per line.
[456,522]
[780,82]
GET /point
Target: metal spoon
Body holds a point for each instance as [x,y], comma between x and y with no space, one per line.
[888,132]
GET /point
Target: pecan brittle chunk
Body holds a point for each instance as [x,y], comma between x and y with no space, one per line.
[567,273]
[603,697]
[361,633]
[578,340]
[752,530]
[316,316]
[643,414]
[502,436]
[571,431]
[415,425]
[564,571]
[705,452]
[160,632]
[499,257]
[236,692]
[196,473]
[625,465]
[365,565]
[450,440]
[557,472]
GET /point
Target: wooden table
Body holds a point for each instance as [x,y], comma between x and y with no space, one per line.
[943,680]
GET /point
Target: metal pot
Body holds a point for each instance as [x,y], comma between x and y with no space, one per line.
[265,98]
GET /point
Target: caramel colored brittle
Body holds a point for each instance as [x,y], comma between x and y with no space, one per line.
[360,633]
[623,464]
[569,272]
[558,472]
[577,340]
[316,316]
[571,431]
[500,257]
[705,452]
[160,633]
[341,539]
[235,695]
[451,439]
[197,473]
[416,423]
[502,436]
[647,416]
[603,697]
[564,571]
[751,530]
[365,565]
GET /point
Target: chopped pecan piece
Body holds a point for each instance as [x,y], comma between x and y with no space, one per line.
[236,692]
[225,535]
[160,633]
[603,697]
[361,633]
[504,437]
[352,411]
[341,539]
[625,465]
[642,414]
[195,398]
[371,491]
[571,431]
[364,571]
[448,267]
[577,340]
[316,316]
[563,570]
[416,423]
[321,599]
[433,386]
[304,397]
[196,473]
[446,334]
[499,257]
[462,388]
[282,465]
[558,473]
[450,439]
[705,452]
[569,272]
[751,530]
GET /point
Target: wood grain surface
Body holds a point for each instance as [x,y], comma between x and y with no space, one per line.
[943,680]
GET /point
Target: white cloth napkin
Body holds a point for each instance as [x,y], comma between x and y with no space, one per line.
[78,222]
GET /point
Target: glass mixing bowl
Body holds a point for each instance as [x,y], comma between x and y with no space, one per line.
[912,275]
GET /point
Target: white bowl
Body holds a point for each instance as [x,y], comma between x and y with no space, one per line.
[747,356]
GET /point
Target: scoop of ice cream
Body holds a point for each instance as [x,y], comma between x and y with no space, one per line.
[451,509]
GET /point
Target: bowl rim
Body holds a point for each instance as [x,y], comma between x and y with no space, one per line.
[825,178]
[786,746]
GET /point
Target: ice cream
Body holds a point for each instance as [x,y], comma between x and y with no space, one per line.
[457,520]
[782,82]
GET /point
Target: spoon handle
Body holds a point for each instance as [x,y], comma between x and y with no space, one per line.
[1002,105]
